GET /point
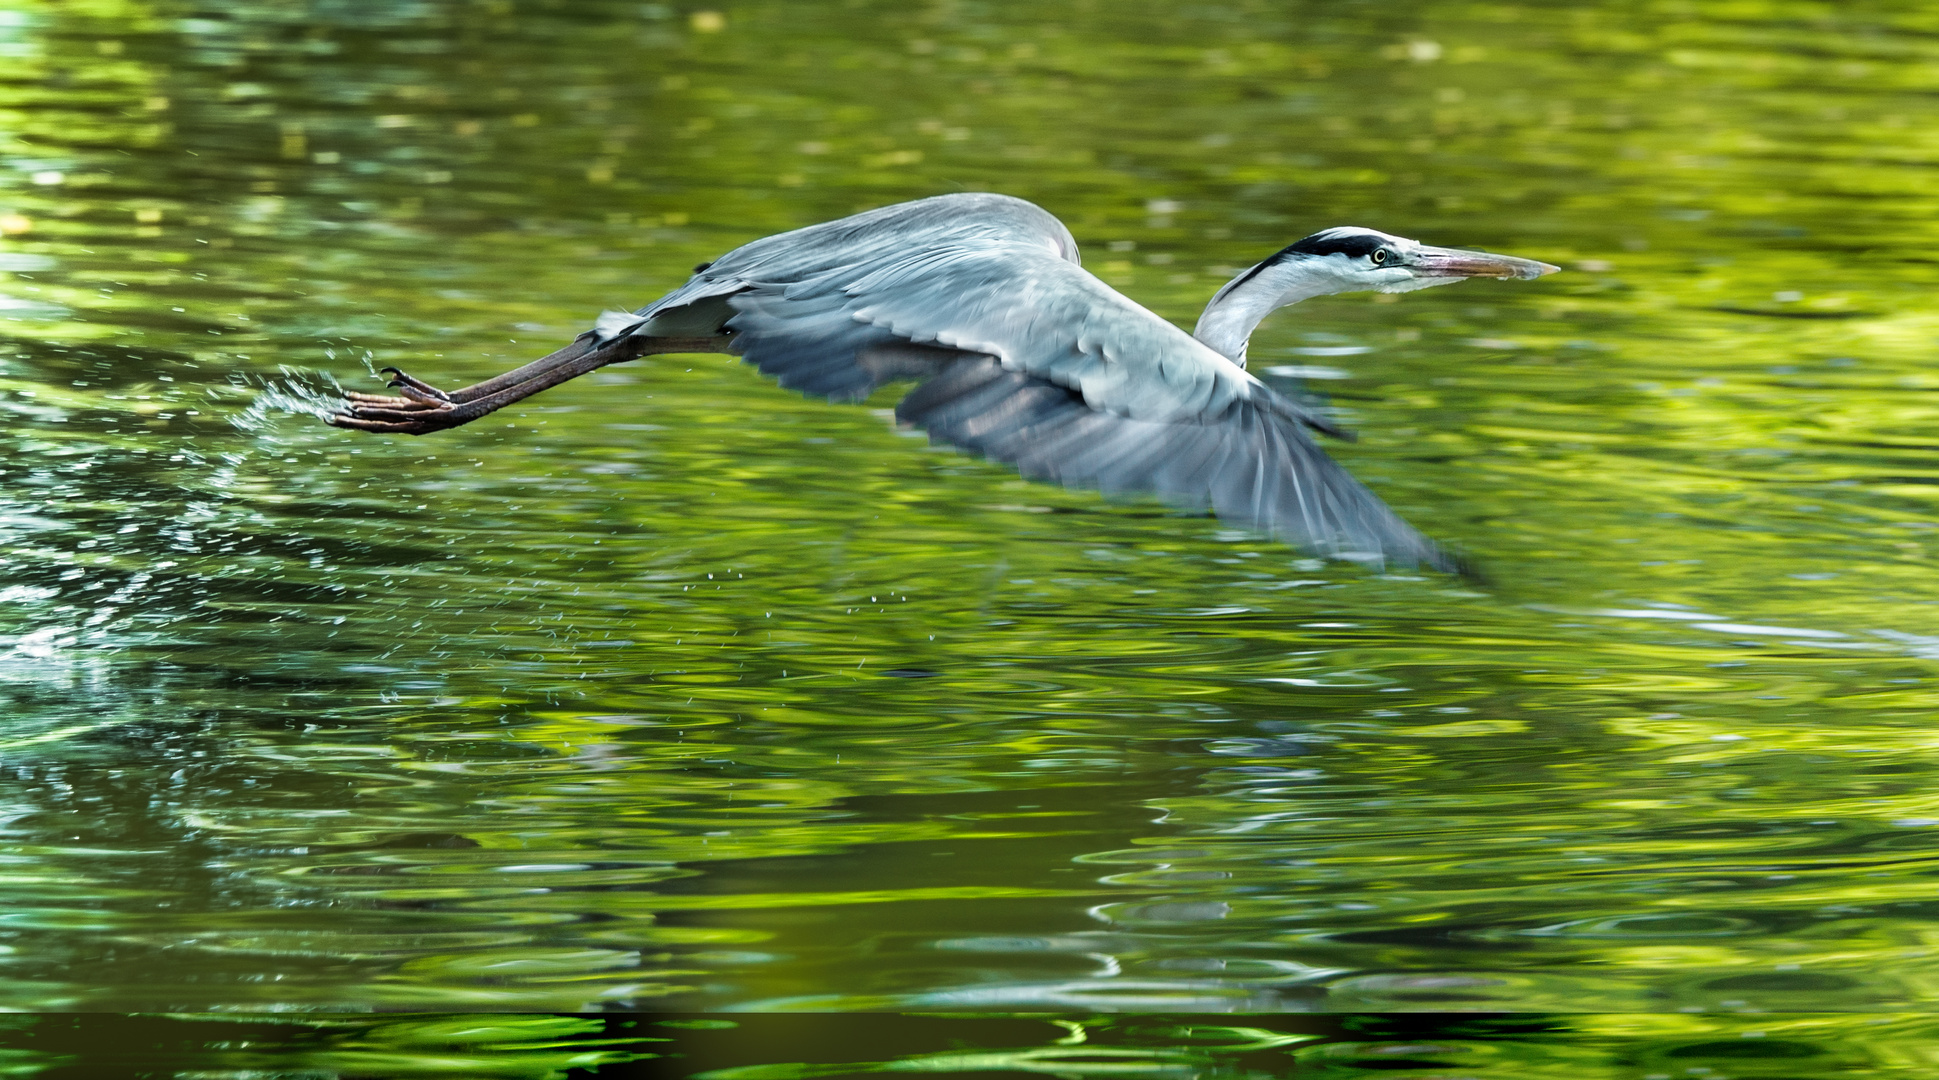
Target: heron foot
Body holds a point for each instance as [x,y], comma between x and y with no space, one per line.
[383,401]
[421,408]
[408,417]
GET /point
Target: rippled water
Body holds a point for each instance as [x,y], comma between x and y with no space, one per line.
[672,690]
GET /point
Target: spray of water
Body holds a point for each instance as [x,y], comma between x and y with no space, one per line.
[292,391]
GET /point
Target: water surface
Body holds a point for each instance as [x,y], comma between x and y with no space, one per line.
[671,690]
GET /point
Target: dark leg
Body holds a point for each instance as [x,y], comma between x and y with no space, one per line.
[428,395]
[424,408]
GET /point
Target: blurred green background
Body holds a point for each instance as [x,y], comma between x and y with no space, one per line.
[671,690]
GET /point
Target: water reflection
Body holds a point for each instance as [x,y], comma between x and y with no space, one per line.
[613,703]
[794,1047]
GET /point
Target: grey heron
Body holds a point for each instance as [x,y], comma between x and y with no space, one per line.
[1022,357]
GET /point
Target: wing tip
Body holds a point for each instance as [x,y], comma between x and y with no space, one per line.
[1464,566]
[1432,556]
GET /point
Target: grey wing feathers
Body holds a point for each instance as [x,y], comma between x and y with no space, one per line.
[791,299]
[872,238]
[1029,360]
[981,273]
[1252,466]
[1033,311]
[1049,318]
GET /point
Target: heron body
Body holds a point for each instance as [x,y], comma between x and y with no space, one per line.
[1021,356]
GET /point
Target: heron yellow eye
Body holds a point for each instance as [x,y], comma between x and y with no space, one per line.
[1379,256]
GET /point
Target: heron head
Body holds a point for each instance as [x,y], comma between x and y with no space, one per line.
[1338,260]
[1368,260]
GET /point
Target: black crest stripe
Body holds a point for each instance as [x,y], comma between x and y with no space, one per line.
[1320,243]
[1349,244]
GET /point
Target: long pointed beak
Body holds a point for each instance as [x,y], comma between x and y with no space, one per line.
[1453,262]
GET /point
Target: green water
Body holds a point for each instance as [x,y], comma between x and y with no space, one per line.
[670,690]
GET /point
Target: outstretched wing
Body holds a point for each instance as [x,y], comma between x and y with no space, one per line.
[977,273]
[1250,465]
[1029,360]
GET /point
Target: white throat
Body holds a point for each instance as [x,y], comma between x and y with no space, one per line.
[1236,310]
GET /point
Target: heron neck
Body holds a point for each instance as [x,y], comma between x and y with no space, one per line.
[1236,310]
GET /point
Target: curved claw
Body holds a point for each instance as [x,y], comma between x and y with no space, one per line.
[408,384]
[415,412]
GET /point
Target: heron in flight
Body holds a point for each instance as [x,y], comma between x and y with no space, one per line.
[1021,356]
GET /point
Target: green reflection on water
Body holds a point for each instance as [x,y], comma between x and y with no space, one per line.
[784,1047]
[675,690]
